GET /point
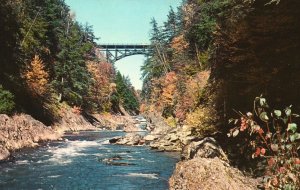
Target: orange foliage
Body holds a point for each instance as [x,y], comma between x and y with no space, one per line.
[77,110]
[37,77]
[169,88]
[192,94]
[143,108]
[179,44]
[102,74]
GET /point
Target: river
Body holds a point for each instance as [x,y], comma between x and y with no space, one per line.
[78,163]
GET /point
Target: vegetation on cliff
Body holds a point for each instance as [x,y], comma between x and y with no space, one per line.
[213,56]
[47,58]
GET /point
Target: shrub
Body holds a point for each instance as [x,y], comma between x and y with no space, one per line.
[202,119]
[7,103]
[272,135]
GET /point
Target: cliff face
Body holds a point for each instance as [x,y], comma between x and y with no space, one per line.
[257,52]
[22,131]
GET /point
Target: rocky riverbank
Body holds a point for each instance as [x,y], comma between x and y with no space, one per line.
[23,131]
[204,164]
[117,122]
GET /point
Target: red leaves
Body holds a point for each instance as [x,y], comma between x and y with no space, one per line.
[282,170]
[297,161]
[260,131]
[271,162]
[257,152]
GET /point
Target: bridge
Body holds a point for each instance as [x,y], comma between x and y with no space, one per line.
[115,52]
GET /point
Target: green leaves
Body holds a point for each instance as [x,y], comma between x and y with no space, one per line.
[6,101]
[126,94]
[72,78]
[288,111]
[264,117]
[279,144]
[292,127]
[295,136]
[277,113]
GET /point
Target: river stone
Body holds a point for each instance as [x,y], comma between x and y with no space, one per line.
[173,137]
[150,137]
[130,139]
[114,140]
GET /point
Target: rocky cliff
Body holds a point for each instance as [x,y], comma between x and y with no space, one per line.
[20,131]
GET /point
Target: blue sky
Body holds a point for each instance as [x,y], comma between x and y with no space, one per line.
[123,21]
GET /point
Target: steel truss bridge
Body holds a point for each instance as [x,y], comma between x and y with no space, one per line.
[115,52]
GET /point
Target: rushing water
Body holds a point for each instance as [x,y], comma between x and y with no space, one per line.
[78,164]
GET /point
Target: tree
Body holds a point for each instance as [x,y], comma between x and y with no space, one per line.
[170,26]
[126,93]
[7,103]
[36,77]
[72,78]
[102,76]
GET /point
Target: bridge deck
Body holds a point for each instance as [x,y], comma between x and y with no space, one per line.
[116,46]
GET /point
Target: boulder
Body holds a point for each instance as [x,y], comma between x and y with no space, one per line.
[129,139]
[209,174]
[150,137]
[204,148]
[173,139]
[4,153]
[114,140]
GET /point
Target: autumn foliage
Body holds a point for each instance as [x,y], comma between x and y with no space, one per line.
[102,75]
[179,44]
[274,137]
[37,78]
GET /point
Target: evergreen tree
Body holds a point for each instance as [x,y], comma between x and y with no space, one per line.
[170,26]
[126,93]
[72,77]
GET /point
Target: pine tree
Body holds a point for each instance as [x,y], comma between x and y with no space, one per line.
[126,93]
[170,27]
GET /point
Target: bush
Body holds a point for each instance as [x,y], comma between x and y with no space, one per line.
[7,103]
[202,119]
[273,136]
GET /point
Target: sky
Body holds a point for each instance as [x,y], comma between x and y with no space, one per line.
[123,22]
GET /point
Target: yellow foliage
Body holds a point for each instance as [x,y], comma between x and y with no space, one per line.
[202,119]
[37,77]
[171,121]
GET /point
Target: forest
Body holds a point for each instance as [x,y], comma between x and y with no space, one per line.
[227,68]
[48,58]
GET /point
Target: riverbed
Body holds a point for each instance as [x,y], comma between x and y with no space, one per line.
[78,162]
